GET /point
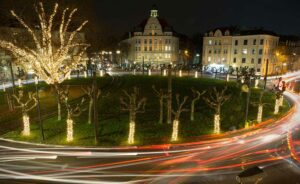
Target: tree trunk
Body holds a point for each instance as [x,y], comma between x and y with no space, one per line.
[277,105]
[90,111]
[9,102]
[58,110]
[192,110]
[217,128]
[70,129]
[174,137]
[131,134]
[161,113]
[281,101]
[259,113]
[26,125]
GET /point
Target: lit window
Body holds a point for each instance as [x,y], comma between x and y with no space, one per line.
[210,42]
[245,51]
[209,59]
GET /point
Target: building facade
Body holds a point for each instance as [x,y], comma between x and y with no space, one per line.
[230,47]
[153,42]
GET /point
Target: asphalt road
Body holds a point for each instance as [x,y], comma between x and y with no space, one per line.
[274,147]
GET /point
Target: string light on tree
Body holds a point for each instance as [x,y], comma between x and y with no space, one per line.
[196,74]
[165,72]
[180,73]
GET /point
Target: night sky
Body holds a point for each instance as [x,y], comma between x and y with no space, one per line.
[194,16]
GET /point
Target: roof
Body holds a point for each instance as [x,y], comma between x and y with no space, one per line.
[237,31]
[164,24]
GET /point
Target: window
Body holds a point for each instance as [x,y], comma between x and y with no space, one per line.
[235,51]
[209,59]
[245,42]
[145,41]
[234,60]
[253,51]
[258,69]
[245,51]
[215,51]
[252,61]
[260,51]
[243,60]
[259,61]
[254,42]
[261,41]
[145,49]
[225,51]
[216,42]
[150,41]
[220,42]
[209,42]
[209,51]
[236,42]
[219,51]
[150,48]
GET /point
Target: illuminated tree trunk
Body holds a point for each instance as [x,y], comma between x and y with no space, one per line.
[175,130]
[58,110]
[277,105]
[217,128]
[281,101]
[131,134]
[260,113]
[70,128]
[26,124]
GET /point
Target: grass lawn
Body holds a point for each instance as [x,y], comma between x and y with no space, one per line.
[113,124]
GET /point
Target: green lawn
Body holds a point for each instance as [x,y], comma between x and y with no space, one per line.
[113,125]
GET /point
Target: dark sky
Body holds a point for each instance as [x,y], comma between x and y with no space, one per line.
[193,16]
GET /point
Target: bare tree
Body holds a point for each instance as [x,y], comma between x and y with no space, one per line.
[215,100]
[260,105]
[26,104]
[161,95]
[177,113]
[134,105]
[72,111]
[196,97]
[89,91]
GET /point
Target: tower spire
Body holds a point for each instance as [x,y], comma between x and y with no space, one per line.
[154,11]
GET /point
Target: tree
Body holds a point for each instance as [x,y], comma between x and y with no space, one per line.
[89,91]
[161,95]
[196,97]
[26,105]
[215,100]
[49,59]
[177,113]
[72,111]
[134,105]
[260,105]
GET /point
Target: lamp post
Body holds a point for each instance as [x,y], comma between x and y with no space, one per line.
[39,108]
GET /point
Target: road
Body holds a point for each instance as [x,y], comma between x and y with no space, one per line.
[273,146]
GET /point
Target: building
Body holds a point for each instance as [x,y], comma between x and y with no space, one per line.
[153,41]
[225,47]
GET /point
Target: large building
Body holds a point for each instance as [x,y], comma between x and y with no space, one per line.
[153,42]
[225,47]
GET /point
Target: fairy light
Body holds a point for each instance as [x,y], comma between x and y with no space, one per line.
[70,137]
[85,74]
[281,101]
[175,131]
[3,87]
[217,128]
[227,77]
[149,72]
[196,74]
[180,73]
[259,113]
[131,132]
[165,72]
[26,125]
[51,65]
[277,105]
[101,73]
[20,83]
[256,83]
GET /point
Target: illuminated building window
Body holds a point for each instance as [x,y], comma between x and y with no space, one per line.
[253,51]
[209,42]
[209,59]
[245,51]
